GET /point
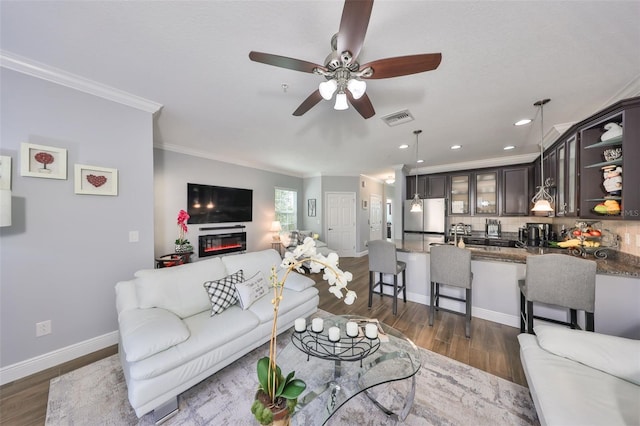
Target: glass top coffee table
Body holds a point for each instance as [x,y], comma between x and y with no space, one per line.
[332,382]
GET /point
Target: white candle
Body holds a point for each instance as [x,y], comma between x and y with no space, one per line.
[352,329]
[334,334]
[371,331]
[301,325]
[317,325]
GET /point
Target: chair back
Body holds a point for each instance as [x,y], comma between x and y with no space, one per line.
[562,280]
[450,265]
[383,257]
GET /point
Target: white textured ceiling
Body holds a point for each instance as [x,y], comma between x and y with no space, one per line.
[192,57]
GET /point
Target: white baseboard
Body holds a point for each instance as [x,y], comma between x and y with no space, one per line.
[42,362]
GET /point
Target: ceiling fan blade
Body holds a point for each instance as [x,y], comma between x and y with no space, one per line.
[362,105]
[353,26]
[403,65]
[308,103]
[284,62]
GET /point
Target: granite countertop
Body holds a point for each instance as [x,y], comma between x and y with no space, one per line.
[617,263]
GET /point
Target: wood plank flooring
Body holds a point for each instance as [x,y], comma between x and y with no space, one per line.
[492,347]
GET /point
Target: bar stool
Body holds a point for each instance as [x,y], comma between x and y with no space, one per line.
[383,259]
[450,266]
[559,280]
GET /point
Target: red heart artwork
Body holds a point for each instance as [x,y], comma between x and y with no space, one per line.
[96,181]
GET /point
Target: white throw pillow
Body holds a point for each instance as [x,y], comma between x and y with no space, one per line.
[146,332]
[252,289]
[614,355]
[222,293]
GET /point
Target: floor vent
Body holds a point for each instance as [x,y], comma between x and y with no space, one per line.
[399,117]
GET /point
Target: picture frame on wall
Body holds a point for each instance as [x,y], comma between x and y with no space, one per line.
[94,180]
[43,161]
[5,172]
[311,207]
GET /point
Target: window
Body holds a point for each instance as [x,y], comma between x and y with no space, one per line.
[286,201]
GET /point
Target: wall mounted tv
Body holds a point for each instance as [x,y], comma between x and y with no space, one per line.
[218,204]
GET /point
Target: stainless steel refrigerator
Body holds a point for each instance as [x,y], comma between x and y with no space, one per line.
[430,223]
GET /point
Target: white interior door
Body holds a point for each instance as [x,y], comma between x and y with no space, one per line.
[375,217]
[341,222]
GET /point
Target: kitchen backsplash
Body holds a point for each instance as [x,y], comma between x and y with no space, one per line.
[511,224]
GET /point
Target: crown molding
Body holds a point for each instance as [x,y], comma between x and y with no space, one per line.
[478,164]
[45,72]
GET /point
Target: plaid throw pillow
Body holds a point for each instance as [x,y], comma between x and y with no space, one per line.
[222,293]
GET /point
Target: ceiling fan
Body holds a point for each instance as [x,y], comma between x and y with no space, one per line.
[344,75]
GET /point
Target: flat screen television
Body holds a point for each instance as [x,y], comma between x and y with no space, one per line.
[218,204]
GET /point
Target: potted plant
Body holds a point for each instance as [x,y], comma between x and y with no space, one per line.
[277,394]
[182,244]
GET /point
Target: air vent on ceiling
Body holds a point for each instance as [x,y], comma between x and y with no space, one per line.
[396,118]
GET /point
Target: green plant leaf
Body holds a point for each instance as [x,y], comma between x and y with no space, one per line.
[293,389]
[263,373]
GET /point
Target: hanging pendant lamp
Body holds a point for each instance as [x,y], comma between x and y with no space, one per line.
[542,200]
[416,203]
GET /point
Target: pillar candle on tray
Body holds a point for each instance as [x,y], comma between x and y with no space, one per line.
[300,325]
[371,331]
[352,329]
[317,325]
[334,334]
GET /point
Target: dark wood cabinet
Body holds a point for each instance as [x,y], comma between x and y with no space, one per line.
[436,186]
[515,198]
[459,193]
[485,192]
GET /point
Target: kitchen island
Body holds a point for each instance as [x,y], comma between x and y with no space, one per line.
[495,292]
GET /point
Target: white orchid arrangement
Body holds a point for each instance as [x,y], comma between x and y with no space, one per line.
[272,382]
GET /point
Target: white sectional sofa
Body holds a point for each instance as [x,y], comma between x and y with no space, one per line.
[582,378]
[169,341]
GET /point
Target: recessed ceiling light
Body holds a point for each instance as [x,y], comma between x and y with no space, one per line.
[522,122]
[508,147]
[403,146]
[420,161]
[456,146]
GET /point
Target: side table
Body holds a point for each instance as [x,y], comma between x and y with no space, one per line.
[173,259]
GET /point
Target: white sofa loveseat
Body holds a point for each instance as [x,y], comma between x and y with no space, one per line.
[169,341]
[582,378]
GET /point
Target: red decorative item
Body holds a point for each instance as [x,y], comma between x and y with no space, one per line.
[44,158]
[96,181]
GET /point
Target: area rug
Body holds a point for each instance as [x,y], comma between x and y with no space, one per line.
[448,393]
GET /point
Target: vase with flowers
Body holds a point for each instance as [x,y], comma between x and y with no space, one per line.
[277,394]
[182,244]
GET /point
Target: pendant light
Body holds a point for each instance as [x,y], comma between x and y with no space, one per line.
[542,200]
[416,203]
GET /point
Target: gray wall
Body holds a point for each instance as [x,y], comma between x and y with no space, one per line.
[174,170]
[64,253]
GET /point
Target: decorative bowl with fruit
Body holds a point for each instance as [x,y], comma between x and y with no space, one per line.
[607,208]
[587,238]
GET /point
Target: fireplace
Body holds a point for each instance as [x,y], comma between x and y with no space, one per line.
[216,244]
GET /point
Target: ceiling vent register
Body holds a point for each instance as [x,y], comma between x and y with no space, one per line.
[397,118]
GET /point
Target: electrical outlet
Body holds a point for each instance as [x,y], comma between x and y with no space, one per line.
[134,236]
[627,238]
[43,328]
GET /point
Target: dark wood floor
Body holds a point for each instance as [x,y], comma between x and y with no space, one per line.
[492,347]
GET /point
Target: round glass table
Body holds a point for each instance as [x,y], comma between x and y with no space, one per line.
[332,382]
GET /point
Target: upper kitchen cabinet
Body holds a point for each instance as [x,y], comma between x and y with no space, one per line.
[486,192]
[561,170]
[428,186]
[609,155]
[516,190]
[459,193]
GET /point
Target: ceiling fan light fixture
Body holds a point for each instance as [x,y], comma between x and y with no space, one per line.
[356,87]
[327,89]
[341,102]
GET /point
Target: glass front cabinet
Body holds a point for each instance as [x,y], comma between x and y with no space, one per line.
[459,194]
[486,193]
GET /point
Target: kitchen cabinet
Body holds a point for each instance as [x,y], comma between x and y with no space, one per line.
[459,194]
[596,160]
[515,192]
[486,192]
[428,186]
